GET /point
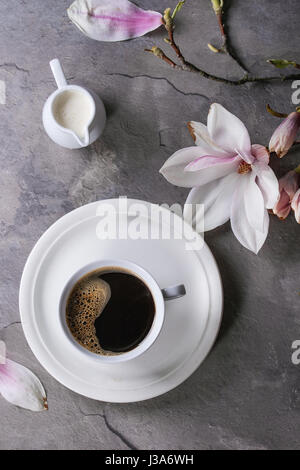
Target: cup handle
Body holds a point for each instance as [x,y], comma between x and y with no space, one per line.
[173,292]
[58,73]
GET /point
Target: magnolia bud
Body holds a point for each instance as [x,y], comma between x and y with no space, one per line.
[168,18]
[177,8]
[281,63]
[296,205]
[285,134]
[217,6]
[288,187]
[157,51]
[212,48]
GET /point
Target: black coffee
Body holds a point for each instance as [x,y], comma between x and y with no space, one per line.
[110,312]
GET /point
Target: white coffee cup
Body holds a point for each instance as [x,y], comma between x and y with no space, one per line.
[159,296]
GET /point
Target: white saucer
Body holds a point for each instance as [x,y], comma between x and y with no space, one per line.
[191,323]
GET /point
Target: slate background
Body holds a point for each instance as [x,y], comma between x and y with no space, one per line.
[246,395]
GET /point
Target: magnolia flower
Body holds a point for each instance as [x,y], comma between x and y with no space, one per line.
[230,177]
[285,134]
[19,385]
[288,186]
[296,205]
[112,20]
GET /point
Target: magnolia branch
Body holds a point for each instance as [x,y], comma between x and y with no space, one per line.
[275,113]
[187,66]
[226,46]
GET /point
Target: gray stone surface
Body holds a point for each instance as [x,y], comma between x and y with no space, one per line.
[246,395]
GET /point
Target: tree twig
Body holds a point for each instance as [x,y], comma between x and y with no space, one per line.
[159,53]
[226,46]
[275,113]
[283,63]
[187,66]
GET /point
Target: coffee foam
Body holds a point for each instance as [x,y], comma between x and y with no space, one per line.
[85,303]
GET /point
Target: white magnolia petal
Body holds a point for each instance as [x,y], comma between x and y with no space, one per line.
[227,130]
[267,183]
[202,139]
[21,387]
[173,169]
[254,203]
[246,234]
[113,20]
[246,156]
[216,197]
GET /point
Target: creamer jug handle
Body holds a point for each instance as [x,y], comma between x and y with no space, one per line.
[58,73]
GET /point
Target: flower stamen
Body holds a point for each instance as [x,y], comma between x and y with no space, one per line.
[244,167]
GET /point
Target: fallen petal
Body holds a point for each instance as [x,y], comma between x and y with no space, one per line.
[21,387]
[112,20]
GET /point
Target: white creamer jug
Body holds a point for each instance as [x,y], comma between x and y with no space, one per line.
[73,116]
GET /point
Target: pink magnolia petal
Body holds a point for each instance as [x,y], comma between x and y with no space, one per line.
[290,183]
[173,169]
[260,153]
[296,205]
[288,186]
[203,140]
[112,20]
[207,161]
[244,231]
[227,130]
[282,207]
[267,183]
[21,387]
[216,197]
